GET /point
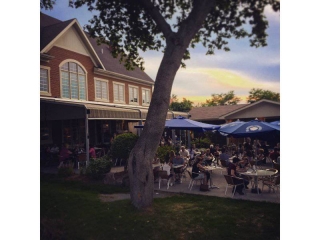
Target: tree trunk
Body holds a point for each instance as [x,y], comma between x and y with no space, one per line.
[140,160]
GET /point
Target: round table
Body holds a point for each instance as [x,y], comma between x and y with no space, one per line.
[211,169]
[255,174]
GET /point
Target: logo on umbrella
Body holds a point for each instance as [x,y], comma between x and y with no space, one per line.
[253,128]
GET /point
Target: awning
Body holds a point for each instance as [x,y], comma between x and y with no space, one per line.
[59,109]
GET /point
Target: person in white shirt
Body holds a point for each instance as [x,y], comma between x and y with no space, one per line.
[184,153]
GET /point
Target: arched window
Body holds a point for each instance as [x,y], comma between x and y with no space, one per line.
[73,79]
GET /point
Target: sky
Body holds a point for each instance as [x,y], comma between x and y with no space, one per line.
[299,75]
[238,70]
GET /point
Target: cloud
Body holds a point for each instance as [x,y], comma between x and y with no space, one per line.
[198,84]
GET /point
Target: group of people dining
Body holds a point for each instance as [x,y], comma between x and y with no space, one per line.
[236,161]
[67,155]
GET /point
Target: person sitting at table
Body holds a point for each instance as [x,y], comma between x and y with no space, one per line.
[64,155]
[224,156]
[275,154]
[92,152]
[184,153]
[178,160]
[232,171]
[172,156]
[199,171]
[261,157]
[216,151]
[208,157]
[156,169]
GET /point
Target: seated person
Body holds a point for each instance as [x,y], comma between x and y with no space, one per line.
[156,169]
[167,166]
[64,155]
[178,160]
[244,164]
[225,156]
[92,152]
[275,154]
[198,170]
[208,157]
[260,157]
[184,153]
[232,171]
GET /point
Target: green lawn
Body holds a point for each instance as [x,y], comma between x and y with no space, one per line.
[72,210]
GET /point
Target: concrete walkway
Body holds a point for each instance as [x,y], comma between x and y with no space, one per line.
[218,180]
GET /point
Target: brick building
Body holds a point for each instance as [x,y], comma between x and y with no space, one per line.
[86,95]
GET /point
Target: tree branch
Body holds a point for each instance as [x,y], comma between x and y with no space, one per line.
[157,17]
[191,25]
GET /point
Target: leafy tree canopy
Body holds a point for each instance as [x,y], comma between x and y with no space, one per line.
[128,25]
[222,99]
[184,106]
[258,94]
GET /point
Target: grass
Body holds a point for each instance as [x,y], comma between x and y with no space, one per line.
[71,209]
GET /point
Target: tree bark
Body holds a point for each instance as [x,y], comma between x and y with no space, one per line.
[140,159]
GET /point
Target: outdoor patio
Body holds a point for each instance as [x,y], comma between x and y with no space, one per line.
[217,179]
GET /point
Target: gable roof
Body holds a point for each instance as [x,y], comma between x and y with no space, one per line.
[222,112]
[249,106]
[213,112]
[51,28]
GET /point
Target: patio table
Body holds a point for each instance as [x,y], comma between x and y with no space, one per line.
[211,169]
[255,175]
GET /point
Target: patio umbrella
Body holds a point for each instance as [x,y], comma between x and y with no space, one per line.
[275,123]
[182,123]
[254,129]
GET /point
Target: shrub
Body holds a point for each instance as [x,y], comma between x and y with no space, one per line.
[122,145]
[98,167]
[202,143]
[163,152]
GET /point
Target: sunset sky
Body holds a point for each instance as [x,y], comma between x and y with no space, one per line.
[239,70]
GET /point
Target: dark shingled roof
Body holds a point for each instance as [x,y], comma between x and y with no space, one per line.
[209,113]
[112,64]
[50,27]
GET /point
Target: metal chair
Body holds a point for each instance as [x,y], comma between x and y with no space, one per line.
[82,159]
[224,165]
[163,175]
[272,183]
[231,182]
[192,180]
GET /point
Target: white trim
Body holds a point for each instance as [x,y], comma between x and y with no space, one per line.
[146,89]
[48,93]
[60,77]
[138,91]
[248,106]
[83,35]
[95,90]
[124,93]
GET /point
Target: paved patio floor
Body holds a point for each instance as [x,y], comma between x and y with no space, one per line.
[218,180]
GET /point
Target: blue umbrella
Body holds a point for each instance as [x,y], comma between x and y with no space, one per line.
[254,128]
[182,123]
[275,123]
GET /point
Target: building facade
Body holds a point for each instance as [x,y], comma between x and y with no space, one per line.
[86,95]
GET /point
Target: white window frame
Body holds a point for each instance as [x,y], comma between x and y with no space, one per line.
[85,76]
[142,90]
[95,90]
[133,87]
[47,93]
[124,92]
